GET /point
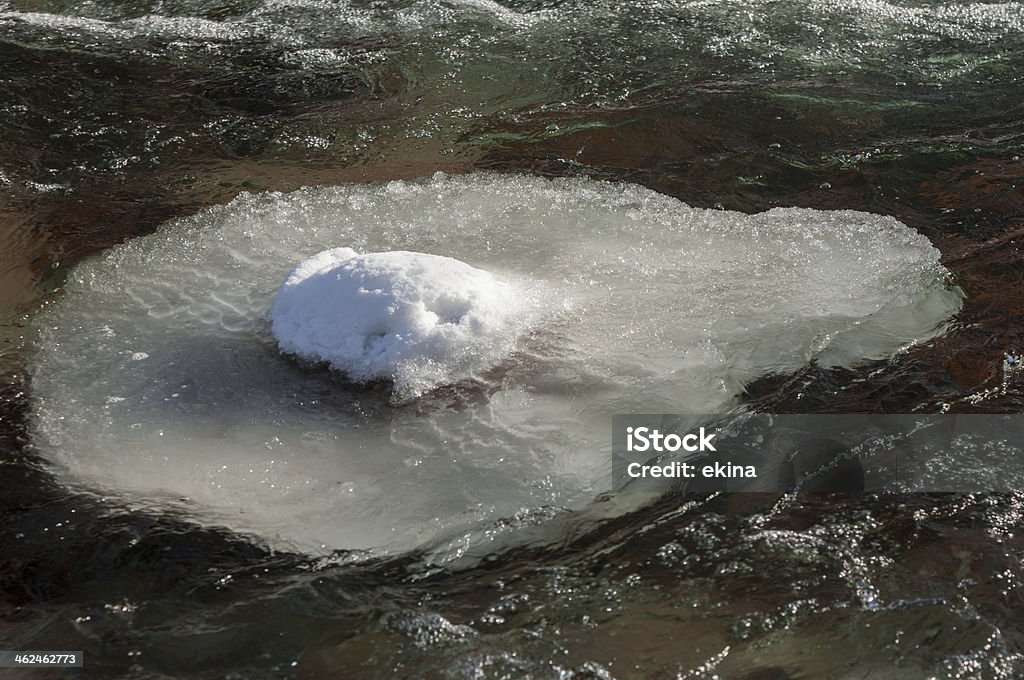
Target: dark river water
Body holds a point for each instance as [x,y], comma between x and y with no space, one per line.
[116,116]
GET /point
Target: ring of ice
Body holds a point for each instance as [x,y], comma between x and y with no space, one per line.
[157,377]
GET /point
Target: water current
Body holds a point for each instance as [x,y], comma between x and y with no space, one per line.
[783,206]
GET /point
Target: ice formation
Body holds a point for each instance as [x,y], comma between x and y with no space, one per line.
[415,319]
[157,378]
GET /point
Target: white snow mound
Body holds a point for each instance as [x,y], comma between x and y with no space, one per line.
[416,319]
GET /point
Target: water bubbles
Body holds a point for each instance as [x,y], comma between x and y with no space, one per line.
[122,607]
[431,629]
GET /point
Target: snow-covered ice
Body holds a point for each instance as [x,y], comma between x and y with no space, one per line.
[415,319]
[157,377]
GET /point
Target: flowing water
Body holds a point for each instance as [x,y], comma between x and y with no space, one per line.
[181,501]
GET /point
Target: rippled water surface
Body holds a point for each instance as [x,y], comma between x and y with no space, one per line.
[117,117]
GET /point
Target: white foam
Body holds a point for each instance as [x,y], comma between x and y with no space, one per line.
[417,320]
[674,310]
